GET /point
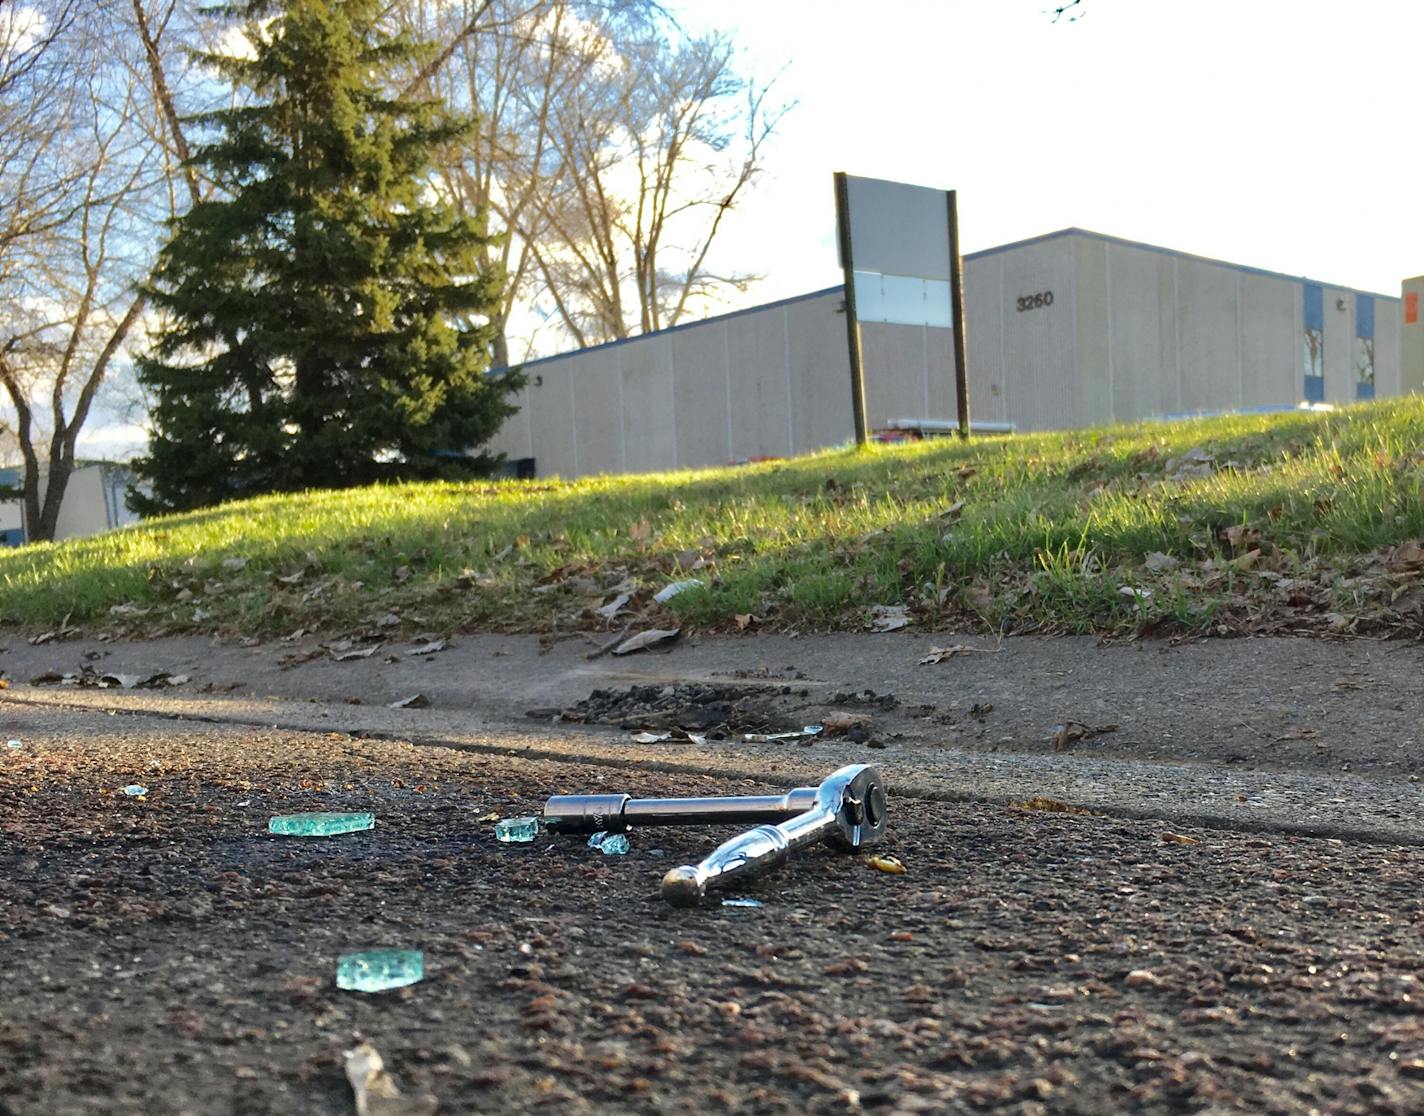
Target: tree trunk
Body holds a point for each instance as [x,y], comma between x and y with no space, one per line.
[42,517]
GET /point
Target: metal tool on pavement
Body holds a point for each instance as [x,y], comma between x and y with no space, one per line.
[847,811]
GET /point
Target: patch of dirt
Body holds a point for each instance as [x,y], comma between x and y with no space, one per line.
[707,709]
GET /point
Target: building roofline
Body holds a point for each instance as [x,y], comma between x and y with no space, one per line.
[1125,243]
[981,254]
[839,288]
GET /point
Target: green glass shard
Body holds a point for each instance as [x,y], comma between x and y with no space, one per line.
[516,829]
[319,825]
[379,969]
[615,844]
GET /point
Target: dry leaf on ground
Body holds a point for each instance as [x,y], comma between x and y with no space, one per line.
[653,637]
[373,1090]
[889,618]
[1070,732]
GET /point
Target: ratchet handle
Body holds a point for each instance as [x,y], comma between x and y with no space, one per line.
[748,854]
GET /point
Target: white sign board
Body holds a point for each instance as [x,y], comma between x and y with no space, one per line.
[899,247]
[897,229]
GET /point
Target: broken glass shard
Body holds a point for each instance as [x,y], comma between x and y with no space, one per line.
[510,830]
[597,839]
[319,824]
[133,790]
[14,744]
[615,844]
[741,902]
[379,969]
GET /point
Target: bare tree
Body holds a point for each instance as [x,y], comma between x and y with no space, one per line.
[610,150]
[85,170]
[656,155]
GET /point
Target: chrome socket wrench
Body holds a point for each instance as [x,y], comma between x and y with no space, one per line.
[847,811]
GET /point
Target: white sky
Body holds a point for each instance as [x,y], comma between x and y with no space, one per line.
[1282,134]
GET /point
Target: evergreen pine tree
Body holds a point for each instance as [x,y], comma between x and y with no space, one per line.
[327,320]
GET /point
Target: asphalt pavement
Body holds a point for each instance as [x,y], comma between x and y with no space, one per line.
[164,953]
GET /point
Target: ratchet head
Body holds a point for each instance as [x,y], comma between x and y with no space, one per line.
[855,795]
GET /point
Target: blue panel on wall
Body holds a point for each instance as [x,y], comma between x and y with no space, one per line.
[1314,307]
[1364,391]
[1364,316]
[1315,389]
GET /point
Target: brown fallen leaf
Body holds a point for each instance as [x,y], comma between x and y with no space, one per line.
[415,701]
[1179,839]
[1406,555]
[1070,732]
[744,620]
[839,723]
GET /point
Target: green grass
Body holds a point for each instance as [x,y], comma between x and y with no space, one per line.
[1290,529]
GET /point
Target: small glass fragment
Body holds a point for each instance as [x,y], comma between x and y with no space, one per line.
[596,840]
[319,824]
[379,969]
[615,844]
[741,902]
[510,830]
[14,744]
[133,790]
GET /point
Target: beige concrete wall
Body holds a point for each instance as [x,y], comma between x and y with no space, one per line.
[763,383]
[1411,340]
[761,407]
[1132,332]
[1160,333]
[1272,321]
[1037,356]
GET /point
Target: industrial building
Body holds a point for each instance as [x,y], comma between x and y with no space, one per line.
[94,500]
[1071,329]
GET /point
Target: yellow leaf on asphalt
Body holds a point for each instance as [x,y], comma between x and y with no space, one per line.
[889,864]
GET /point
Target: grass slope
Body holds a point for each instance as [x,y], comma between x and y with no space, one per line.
[1274,523]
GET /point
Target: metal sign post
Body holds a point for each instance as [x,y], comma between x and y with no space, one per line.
[956,298]
[857,373]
